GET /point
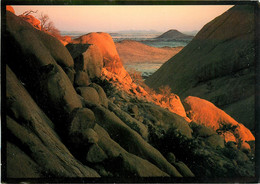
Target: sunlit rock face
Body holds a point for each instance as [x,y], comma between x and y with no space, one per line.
[107,47]
[204,112]
[10,9]
[32,20]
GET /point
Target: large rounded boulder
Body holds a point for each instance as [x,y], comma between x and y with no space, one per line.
[107,47]
[204,112]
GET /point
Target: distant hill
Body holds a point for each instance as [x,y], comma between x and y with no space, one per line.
[217,65]
[174,34]
[135,52]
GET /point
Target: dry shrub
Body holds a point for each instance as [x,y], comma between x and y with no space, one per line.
[165,90]
[138,79]
[48,26]
[136,76]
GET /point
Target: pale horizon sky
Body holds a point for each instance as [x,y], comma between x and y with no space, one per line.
[117,18]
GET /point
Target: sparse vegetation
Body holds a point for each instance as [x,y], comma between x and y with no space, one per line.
[28,12]
[136,76]
[48,25]
[45,23]
[165,90]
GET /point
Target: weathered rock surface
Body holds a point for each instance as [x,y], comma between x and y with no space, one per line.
[40,45]
[217,65]
[107,47]
[204,112]
[88,58]
[128,120]
[166,119]
[32,20]
[89,94]
[31,129]
[102,95]
[10,9]
[125,164]
[131,140]
[83,119]
[96,154]
[184,170]
[81,79]
[19,165]
[42,56]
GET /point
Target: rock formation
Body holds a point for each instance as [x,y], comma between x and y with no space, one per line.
[107,47]
[66,120]
[205,113]
[217,65]
[32,20]
[10,9]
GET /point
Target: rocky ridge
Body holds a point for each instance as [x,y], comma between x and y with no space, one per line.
[75,112]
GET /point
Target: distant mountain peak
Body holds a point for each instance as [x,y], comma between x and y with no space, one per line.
[174,34]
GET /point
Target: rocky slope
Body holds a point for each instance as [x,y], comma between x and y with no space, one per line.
[135,52]
[217,65]
[174,34]
[71,113]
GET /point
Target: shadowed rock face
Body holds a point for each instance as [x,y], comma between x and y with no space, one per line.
[44,60]
[217,65]
[31,130]
[88,58]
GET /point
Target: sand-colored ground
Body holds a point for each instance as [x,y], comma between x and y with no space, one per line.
[135,52]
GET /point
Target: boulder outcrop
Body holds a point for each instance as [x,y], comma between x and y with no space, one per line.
[107,47]
[31,130]
[205,113]
[10,9]
[32,20]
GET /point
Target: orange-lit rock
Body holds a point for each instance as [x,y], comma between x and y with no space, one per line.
[65,40]
[10,9]
[176,105]
[32,20]
[204,112]
[245,146]
[228,136]
[107,46]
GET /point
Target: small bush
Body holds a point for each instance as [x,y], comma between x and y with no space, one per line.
[165,90]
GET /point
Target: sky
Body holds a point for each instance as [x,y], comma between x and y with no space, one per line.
[121,17]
